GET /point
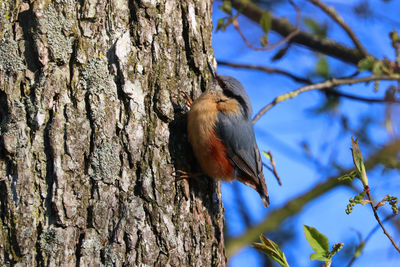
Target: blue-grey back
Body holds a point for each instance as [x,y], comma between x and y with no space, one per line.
[237,134]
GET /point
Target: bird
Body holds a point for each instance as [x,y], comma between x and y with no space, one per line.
[221,134]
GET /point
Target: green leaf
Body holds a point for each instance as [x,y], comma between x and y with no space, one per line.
[266,155]
[378,67]
[223,23]
[359,250]
[359,162]
[317,241]
[281,53]
[366,63]
[316,28]
[318,257]
[265,22]
[311,24]
[348,176]
[269,243]
[322,67]
[220,24]
[226,7]
[272,250]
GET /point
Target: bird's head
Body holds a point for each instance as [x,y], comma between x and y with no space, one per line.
[232,88]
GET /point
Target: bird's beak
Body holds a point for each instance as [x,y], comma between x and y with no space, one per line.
[212,70]
[215,80]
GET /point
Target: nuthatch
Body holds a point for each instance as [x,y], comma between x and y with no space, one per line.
[222,135]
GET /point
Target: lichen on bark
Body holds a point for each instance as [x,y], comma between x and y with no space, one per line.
[92,128]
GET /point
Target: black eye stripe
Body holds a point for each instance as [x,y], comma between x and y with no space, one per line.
[238,98]
[230,94]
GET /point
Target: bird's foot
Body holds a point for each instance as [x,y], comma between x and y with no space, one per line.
[183,175]
[189,101]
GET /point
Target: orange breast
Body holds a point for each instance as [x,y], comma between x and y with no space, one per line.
[218,165]
[210,152]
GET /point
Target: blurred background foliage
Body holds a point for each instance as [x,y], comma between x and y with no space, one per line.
[309,136]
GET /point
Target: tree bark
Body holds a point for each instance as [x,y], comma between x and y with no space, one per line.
[92,128]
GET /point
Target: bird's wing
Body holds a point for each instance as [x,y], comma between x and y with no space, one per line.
[237,134]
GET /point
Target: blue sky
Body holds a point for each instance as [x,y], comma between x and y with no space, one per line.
[287,125]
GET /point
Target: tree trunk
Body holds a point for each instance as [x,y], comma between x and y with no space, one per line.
[92,128]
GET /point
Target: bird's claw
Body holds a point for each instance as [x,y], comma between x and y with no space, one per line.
[187,97]
[183,175]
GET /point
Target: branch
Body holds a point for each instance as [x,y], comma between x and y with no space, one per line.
[320,86]
[366,189]
[267,70]
[294,206]
[278,215]
[330,11]
[307,81]
[273,168]
[273,46]
[283,27]
[363,99]
[370,234]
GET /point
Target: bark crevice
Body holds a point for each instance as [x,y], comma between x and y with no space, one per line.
[92,131]
[50,174]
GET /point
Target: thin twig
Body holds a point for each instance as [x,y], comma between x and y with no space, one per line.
[366,189]
[364,242]
[267,70]
[364,99]
[273,169]
[273,46]
[330,11]
[278,179]
[276,217]
[283,27]
[308,81]
[320,86]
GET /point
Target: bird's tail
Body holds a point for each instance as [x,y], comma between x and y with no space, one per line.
[261,186]
[263,190]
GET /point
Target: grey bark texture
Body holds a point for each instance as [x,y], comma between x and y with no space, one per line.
[92,128]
